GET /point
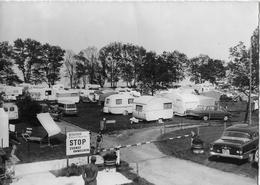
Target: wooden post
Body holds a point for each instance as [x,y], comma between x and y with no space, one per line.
[198,131]
[137,171]
[67,157]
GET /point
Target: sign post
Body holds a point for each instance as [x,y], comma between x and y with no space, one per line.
[77,143]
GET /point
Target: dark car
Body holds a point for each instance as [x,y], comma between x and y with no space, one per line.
[209,112]
[238,141]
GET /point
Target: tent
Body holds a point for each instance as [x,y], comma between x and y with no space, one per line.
[212,94]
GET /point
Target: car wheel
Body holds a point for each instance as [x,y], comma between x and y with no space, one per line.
[225,118]
[205,118]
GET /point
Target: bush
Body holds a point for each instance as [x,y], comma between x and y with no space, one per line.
[28,108]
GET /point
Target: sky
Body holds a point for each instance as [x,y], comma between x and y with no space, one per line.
[193,28]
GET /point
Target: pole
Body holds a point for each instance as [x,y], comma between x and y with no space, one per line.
[67,157]
[250,85]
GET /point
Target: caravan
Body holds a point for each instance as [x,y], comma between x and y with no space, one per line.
[118,104]
[183,102]
[41,94]
[152,108]
[12,110]
[68,95]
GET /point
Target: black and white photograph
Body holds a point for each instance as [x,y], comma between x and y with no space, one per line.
[129,92]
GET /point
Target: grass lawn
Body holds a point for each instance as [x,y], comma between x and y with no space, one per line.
[181,149]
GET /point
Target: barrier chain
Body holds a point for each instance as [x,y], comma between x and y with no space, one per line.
[143,143]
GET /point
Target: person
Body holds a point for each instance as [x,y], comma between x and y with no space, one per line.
[99,140]
[90,171]
[102,125]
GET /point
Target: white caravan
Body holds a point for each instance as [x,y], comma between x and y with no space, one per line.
[68,95]
[183,102]
[128,91]
[118,104]
[11,92]
[41,94]
[12,110]
[152,108]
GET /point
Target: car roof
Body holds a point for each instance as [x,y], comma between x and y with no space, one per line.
[243,128]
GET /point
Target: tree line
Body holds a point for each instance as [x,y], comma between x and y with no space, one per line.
[39,63]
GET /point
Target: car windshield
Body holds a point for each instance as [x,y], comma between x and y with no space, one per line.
[236,134]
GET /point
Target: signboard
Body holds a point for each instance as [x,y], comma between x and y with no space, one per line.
[77,143]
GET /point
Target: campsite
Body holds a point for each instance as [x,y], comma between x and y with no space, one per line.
[136,93]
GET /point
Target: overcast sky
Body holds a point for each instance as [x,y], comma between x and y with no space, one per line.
[190,27]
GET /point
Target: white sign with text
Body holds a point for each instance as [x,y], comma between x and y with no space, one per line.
[77,143]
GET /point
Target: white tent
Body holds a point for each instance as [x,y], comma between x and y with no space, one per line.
[4,129]
[49,125]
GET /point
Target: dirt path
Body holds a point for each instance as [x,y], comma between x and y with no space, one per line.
[166,170]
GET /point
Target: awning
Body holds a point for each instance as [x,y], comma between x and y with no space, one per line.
[49,125]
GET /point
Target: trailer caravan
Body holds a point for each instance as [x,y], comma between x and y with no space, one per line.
[182,102]
[41,94]
[119,104]
[151,108]
[68,95]
[11,92]
[12,110]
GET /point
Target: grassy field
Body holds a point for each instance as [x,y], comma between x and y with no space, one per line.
[181,149]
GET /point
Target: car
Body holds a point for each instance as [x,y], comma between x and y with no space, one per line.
[239,141]
[209,112]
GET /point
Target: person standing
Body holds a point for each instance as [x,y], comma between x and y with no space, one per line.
[90,171]
[99,142]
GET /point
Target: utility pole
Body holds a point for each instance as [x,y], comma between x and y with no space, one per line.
[250,85]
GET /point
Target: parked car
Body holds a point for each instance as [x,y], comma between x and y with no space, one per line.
[209,112]
[238,141]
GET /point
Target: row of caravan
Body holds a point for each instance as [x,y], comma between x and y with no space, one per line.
[162,106]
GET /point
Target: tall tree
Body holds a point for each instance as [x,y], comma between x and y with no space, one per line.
[239,66]
[130,63]
[26,54]
[70,68]
[175,63]
[110,57]
[204,68]
[88,66]
[7,75]
[51,63]
[153,77]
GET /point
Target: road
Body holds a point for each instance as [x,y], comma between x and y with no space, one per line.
[159,169]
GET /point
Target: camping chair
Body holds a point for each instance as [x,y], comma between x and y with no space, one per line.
[27,135]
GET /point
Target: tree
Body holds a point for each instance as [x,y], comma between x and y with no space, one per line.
[153,77]
[175,63]
[48,69]
[130,63]
[70,68]
[110,57]
[7,75]
[26,54]
[204,68]
[89,67]
[239,66]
